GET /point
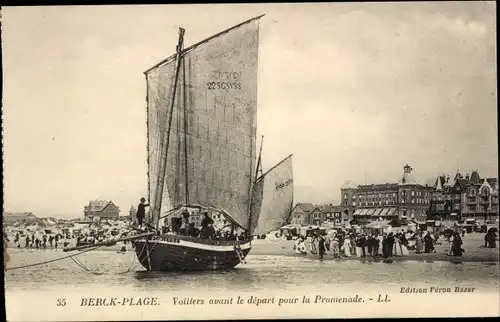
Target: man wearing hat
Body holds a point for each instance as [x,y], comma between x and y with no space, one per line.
[141,211]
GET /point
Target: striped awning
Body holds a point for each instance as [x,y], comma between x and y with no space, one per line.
[363,212]
[357,212]
[377,212]
[370,211]
[391,212]
[384,212]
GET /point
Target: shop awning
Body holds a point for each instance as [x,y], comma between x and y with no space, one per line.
[384,212]
[357,212]
[363,212]
[370,211]
[377,212]
[391,212]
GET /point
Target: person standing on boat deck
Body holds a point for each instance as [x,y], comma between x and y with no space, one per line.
[141,211]
[206,220]
[185,226]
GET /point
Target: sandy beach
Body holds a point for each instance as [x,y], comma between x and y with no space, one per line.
[473,245]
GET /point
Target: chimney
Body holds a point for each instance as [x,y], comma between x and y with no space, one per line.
[467,177]
[448,179]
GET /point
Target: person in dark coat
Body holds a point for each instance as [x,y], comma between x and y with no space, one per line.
[384,247]
[390,244]
[193,231]
[369,245]
[321,246]
[456,246]
[428,246]
[205,226]
[141,211]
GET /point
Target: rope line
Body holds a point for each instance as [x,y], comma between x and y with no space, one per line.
[76,261]
[50,261]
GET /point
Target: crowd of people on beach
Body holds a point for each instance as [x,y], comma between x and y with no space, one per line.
[344,244]
[40,241]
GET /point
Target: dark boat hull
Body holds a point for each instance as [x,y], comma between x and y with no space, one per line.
[182,253]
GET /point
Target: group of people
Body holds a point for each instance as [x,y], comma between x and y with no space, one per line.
[350,243]
[38,241]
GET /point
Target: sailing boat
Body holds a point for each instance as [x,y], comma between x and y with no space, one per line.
[201,129]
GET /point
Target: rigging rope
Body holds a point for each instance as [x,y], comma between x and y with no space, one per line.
[50,261]
[78,262]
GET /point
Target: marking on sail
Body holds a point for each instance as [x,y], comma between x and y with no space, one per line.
[283,184]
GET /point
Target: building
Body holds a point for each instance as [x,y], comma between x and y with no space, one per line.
[11,217]
[301,214]
[101,209]
[132,213]
[334,216]
[465,197]
[389,201]
[307,214]
[316,217]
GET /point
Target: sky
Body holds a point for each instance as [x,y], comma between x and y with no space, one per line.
[354,90]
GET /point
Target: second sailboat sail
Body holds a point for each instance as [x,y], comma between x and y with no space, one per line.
[273,194]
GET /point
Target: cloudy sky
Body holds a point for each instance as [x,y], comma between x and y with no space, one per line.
[355,91]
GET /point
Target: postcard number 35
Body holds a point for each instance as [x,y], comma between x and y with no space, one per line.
[61,302]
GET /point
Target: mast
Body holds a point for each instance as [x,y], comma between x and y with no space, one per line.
[165,146]
[147,142]
[259,166]
[184,100]
[259,160]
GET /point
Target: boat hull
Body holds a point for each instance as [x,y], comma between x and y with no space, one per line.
[183,253]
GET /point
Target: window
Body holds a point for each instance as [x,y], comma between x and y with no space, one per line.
[354,203]
[412,193]
[353,196]
[473,192]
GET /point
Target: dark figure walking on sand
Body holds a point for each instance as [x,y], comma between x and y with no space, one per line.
[362,245]
[27,242]
[428,246]
[390,244]
[376,245]
[490,239]
[456,246]
[321,246]
[384,247]
[369,245]
[141,211]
